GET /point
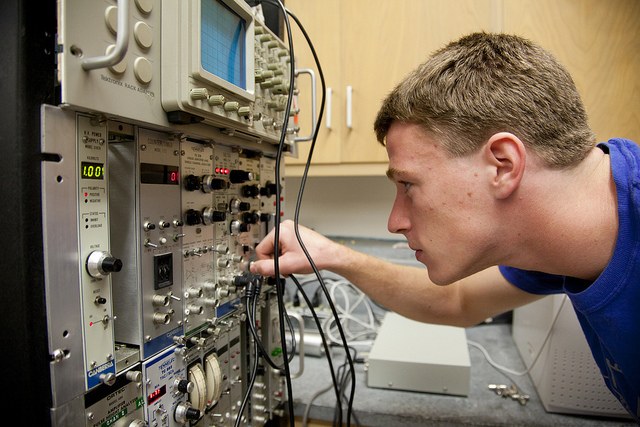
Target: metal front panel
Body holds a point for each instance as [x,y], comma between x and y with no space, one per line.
[149,238]
[161,377]
[199,216]
[161,250]
[60,233]
[93,230]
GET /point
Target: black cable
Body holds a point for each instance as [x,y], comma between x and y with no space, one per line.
[297,215]
[297,211]
[280,285]
[327,350]
[344,380]
[254,372]
[252,294]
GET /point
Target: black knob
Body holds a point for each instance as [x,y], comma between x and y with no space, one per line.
[209,183]
[218,216]
[192,183]
[101,300]
[209,216]
[219,184]
[250,217]
[238,176]
[269,189]
[193,217]
[244,206]
[192,414]
[111,265]
[250,191]
[244,227]
[184,386]
[265,217]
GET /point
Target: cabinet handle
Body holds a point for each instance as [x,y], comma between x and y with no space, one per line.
[328,107]
[349,105]
[122,42]
[314,124]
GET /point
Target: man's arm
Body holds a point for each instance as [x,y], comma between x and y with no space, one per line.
[405,290]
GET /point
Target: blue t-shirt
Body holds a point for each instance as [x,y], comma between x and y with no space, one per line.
[609,308]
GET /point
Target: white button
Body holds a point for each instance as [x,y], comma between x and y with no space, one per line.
[111,18]
[145,6]
[143,35]
[121,66]
[142,69]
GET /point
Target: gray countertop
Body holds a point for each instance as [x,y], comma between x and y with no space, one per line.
[482,407]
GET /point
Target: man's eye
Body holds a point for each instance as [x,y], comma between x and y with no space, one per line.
[406,185]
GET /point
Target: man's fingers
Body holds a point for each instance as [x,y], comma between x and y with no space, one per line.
[263,267]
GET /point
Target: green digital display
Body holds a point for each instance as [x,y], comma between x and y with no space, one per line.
[91,170]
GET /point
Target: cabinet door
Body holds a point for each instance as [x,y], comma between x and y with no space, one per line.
[599,43]
[382,41]
[321,20]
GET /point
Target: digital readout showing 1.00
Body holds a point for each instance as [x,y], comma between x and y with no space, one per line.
[159,174]
[91,170]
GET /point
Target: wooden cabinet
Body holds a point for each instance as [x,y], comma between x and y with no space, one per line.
[599,43]
[367,46]
[370,45]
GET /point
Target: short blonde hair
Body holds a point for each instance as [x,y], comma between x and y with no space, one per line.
[486,83]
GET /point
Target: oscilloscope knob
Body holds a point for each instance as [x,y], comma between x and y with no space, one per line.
[231,106]
[199,93]
[100,264]
[216,100]
[244,112]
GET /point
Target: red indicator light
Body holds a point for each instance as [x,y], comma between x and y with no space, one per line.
[156,394]
[226,171]
[217,170]
[86,194]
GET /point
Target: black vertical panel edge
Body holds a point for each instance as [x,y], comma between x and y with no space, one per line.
[27,31]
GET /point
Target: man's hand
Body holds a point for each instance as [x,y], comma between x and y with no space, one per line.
[292,258]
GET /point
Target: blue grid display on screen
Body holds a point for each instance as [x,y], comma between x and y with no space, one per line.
[223,42]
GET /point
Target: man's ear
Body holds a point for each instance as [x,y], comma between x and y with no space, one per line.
[505,155]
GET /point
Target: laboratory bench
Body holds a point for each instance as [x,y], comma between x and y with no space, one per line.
[396,408]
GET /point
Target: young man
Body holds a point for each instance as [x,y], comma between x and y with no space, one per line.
[504,195]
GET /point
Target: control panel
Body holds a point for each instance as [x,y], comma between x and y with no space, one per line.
[96,262]
[160,183]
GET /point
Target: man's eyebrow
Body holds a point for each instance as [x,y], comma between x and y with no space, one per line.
[393,173]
